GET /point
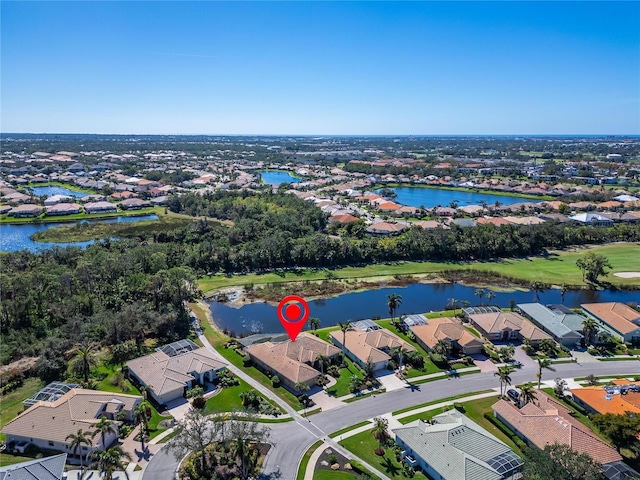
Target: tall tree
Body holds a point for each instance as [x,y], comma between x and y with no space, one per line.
[77,441]
[479,292]
[398,352]
[85,355]
[111,460]
[593,266]
[344,326]
[323,362]
[527,394]
[380,432]
[543,363]
[393,302]
[141,416]
[490,296]
[314,323]
[244,435]
[504,377]
[560,461]
[538,288]
[103,427]
[192,434]
[622,429]
[589,330]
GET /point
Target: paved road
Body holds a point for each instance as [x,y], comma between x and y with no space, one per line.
[290,440]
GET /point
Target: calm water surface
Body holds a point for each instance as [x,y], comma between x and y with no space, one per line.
[55,190]
[16,237]
[276,178]
[417,298]
[432,197]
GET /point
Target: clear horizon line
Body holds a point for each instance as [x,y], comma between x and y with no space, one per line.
[339,134]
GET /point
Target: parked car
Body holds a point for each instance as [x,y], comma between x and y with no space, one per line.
[513,394]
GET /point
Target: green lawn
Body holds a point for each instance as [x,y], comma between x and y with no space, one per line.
[8,459]
[363,445]
[341,387]
[228,399]
[448,399]
[305,459]
[560,266]
[257,375]
[215,337]
[12,402]
[331,475]
[429,366]
[82,216]
[349,428]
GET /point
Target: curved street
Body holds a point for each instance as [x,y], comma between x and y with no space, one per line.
[291,439]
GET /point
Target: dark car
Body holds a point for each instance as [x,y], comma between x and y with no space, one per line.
[513,394]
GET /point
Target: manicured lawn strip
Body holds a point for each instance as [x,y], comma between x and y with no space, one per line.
[168,437]
[331,475]
[228,399]
[302,468]
[615,359]
[215,337]
[348,429]
[428,415]
[473,331]
[363,445]
[8,459]
[257,375]
[435,402]
[82,216]
[12,402]
[561,268]
[341,387]
[427,380]
[603,377]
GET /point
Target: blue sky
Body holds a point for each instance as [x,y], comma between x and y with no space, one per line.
[321,68]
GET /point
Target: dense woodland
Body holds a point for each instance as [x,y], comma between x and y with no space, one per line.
[130,289]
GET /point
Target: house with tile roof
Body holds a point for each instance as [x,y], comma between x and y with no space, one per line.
[546,421]
[168,377]
[48,468]
[507,326]
[453,447]
[617,399]
[48,423]
[551,321]
[445,328]
[370,347]
[293,362]
[620,320]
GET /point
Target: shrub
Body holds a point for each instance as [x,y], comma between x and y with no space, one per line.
[275,381]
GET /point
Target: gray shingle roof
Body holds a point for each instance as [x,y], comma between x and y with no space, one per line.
[549,320]
[50,468]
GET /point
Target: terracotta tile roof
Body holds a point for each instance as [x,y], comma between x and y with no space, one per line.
[78,408]
[289,359]
[444,328]
[598,399]
[346,218]
[496,322]
[371,345]
[494,220]
[163,373]
[550,422]
[621,317]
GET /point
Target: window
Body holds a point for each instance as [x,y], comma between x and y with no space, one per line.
[50,443]
[513,334]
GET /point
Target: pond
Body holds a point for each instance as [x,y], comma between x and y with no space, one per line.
[52,190]
[416,298]
[273,177]
[432,197]
[14,237]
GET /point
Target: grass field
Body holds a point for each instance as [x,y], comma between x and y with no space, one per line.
[558,268]
[305,460]
[11,403]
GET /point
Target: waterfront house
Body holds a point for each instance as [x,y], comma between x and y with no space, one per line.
[25,210]
[293,362]
[436,329]
[452,447]
[134,204]
[100,207]
[63,209]
[369,347]
[506,326]
[620,320]
[552,322]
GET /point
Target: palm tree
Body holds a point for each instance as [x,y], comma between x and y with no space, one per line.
[589,329]
[314,323]
[102,428]
[490,296]
[453,302]
[77,440]
[399,352]
[110,460]
[443,347]
[543,363]
[538,288]
[344,326]
[240,449]
[323,361]
[504,378]
[527,394]
[85,354]
[479,293]
[380,431]
[563,291]
[393,302]
[140,414]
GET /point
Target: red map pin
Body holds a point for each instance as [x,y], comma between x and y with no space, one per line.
[293,313]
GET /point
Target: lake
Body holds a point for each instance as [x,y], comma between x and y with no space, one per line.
[273,177]
[416,298]
[17,236]
[432,197]
[50,191]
